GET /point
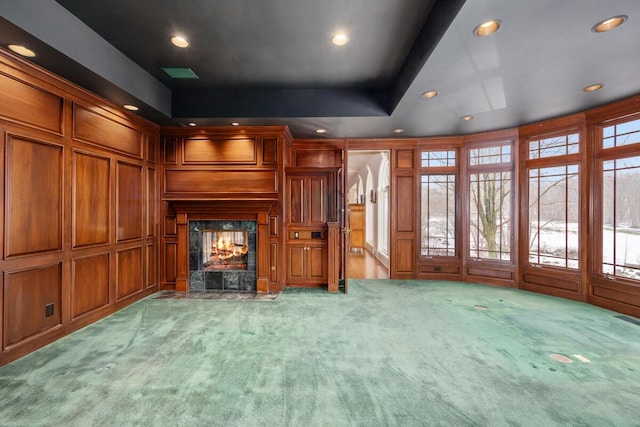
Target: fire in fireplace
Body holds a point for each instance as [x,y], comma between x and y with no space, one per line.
[224,249]
[222,255]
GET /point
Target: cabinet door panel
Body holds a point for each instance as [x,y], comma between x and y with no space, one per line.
[296,200]
[317,200]
[295,269]
[317,264]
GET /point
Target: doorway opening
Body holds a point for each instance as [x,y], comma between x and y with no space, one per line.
[368,205]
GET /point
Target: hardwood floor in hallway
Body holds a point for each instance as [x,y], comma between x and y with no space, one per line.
[363,265]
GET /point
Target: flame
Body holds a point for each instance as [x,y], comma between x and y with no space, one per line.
[225,248]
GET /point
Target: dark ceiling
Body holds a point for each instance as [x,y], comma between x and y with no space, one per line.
[272,61]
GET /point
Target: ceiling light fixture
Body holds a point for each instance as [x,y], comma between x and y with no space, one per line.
[321,131]
[21,50]
[593,88]
[609,23]
[487,28]
[430,94]
[235,124]
[179,41]
[340,39]
[466,118]
[130,107]
[192,124]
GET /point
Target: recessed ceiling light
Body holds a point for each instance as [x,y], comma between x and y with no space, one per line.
[609,24]
[235,124]
[192,124]
[130,107]
[430,94]
[398,130]
[593,88]
[179,41]
[487,28]
[466,118]
[321,131]
[340,39]
[21,50]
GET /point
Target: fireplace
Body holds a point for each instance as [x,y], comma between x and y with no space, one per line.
[256,218]
[222,255]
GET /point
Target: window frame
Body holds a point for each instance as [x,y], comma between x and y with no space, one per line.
[512,198]
[543,162]
[600,156]
[441,170]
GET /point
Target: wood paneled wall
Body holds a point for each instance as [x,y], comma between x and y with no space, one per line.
[224,169]
[80,231]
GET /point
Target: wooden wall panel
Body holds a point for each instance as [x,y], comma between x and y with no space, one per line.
[27,104]
[129,272]
[170,225]
[130,201]
[152,148]
[26,295]
[405,203]
[273,262]
[405,256]
[90,284]
[220,151]
[318,158]
[34,196]
[99,129]
[169,147]
[228,181]
[152,210]
[562,282]
[273,226]
[405,159]
[151,263]
[170,262]
[269,151]
[91,196]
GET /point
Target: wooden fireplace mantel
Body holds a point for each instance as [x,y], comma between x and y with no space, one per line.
[225,209]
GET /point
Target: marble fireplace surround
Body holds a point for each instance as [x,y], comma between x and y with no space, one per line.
[215,210]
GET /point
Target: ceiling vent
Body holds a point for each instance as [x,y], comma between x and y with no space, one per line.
[180,73]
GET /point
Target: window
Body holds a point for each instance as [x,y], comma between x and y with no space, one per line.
[621,134]
[554,203]
[438,215]
[621,217]
[553,197]
[490,155]
[490,200]
[432,159]
[438,203]
[556,146]
[618,218]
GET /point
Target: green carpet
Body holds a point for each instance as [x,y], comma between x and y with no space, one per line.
[395,353]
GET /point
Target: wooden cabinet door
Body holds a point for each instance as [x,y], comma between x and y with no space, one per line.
[296,264]
[317,264]
[307,201]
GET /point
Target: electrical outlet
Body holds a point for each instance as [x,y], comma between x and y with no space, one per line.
[48,310]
